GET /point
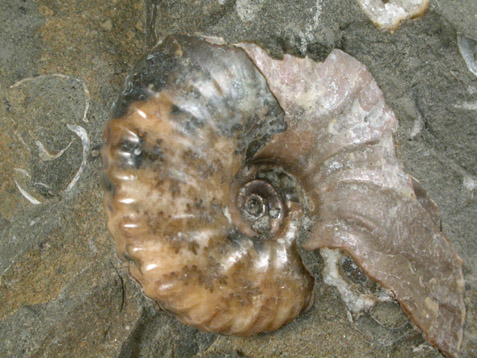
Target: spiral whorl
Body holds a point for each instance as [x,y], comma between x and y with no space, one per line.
[209,234]
[210,182]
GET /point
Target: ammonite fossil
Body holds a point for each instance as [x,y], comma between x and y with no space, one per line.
[220,160]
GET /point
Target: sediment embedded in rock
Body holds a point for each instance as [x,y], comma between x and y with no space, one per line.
[389,14]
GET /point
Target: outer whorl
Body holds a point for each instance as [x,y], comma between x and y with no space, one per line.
[177,158]
[219,159]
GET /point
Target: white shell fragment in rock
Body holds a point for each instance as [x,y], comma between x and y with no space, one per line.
[468,50]
[357,298]
[389,14]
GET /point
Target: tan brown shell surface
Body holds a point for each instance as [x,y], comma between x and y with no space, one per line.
[170,162]
[219,158]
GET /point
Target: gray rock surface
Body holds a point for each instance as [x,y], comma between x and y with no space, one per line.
[63,292]
[461,14]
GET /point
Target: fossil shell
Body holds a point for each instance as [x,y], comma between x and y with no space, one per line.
[209,234]
[339,138]
[219,159]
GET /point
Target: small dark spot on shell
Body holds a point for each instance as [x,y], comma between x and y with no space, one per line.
[175,109]
[193,247]
[235,237]
[108,184]
[174,189]
[258,244]
[354,274]
[134,149]
[128,258]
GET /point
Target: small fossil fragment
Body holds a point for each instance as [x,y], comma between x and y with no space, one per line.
[468,50]
[389,14]
[219,158]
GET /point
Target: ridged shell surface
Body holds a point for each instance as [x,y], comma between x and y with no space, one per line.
[219,160]
[177,156]
[340,142]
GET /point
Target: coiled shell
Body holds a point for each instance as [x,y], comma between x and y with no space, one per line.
[210,235]
[218,159]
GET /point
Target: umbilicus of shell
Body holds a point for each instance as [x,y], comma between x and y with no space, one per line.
[219,160]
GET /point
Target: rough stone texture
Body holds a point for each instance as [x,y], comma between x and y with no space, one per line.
[461,14]
[62,290]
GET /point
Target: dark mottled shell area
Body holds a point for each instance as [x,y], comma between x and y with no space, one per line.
[191,117]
